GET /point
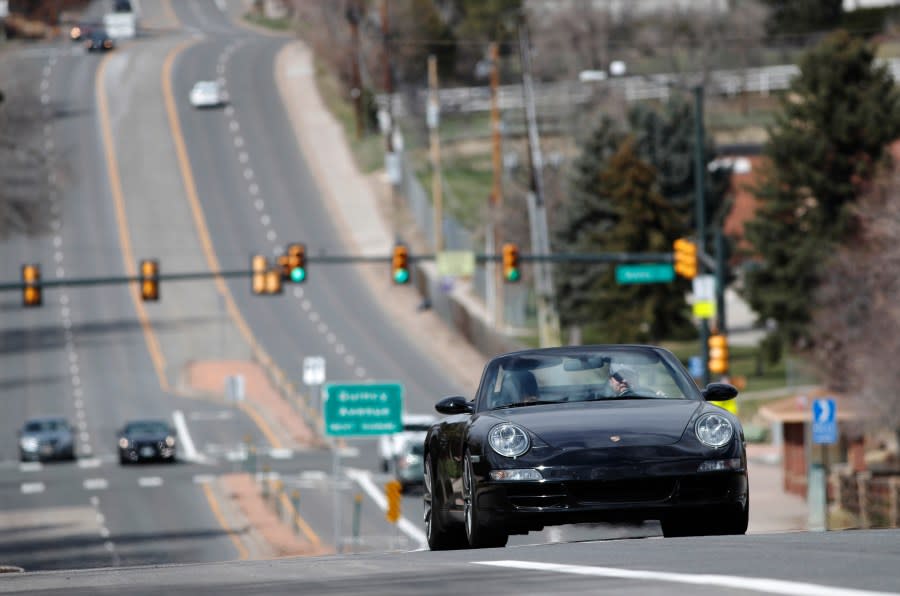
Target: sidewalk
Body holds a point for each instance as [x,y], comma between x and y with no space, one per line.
[771,508]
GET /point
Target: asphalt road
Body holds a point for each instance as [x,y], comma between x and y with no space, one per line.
[113,128]
[836,564]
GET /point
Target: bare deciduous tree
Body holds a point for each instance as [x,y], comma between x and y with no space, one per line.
[857,317]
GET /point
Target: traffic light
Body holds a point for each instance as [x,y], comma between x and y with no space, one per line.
[392,491]
[31,292]
[149,280]
[718,354]
[685,258]
[400,264]
[511,262]
[264,280]
[296,262]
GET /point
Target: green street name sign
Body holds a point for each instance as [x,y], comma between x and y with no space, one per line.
[645,273]
[353,409]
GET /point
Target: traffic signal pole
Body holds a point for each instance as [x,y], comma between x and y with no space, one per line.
[700,213]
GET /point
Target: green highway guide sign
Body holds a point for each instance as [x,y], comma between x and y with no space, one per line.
[362,408]
[645,273]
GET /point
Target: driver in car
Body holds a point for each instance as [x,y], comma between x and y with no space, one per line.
[622,382]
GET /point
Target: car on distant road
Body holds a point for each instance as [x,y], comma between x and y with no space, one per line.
[206,94]
[409,469]
[99,41]
[79,32]
[46,438]
[391,446]
[146,440]
[584,434]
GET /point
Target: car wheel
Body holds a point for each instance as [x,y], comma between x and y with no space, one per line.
[479,534]
[732,521]
[123,460]
[439,536]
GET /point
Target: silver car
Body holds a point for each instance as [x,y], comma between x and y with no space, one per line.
[46,438]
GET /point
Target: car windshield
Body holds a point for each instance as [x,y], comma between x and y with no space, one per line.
[36,426]
[586,375]
[147,427]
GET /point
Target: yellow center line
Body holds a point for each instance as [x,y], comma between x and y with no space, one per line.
[115,188]
[190,189]
[217,512]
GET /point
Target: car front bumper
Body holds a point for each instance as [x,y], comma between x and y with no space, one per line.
[136,453]
[610,497]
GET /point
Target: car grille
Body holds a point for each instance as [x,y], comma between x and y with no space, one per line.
[622,491]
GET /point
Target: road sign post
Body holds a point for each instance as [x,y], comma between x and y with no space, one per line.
[824,433]
[313,377]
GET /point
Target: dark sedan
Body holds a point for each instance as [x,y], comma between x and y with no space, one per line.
[46,438]
[146,440]
[99,41]
[584,434]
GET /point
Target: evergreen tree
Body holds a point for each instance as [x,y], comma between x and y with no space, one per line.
[831,133]
[621,211]
[583,226]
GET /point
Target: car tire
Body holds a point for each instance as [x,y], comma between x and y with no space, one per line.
[480,535]
[732,521]
[124,461]
[437,532]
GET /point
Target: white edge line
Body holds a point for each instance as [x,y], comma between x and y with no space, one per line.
[364,480]
[770,586]
[190,451]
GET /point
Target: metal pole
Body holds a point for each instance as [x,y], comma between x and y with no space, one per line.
[700,213]
[721,319]
[436,189]
[357,508]
[335,500]
[548,318]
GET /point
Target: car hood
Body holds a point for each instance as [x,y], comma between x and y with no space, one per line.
[601,424]
[146,436]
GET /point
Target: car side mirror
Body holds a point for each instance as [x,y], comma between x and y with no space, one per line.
[455,404]
[719,392]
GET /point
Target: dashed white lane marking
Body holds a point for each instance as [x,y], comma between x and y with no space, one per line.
[150,481]
[248,173]
[298,292]
[271,235]
[243,157]
[360,371]
[79,413]
[31,466]
[229,111]
[73,357]
[734,582]
[209,416]
[314,316]
[239,141]
[84,437]
[60,272]
[234,126]
[76,380]
[203,478]
[79,404]
[95,501]
[331,338]
[254,190]
[349,359]
[222,82]
[108,545]
[32,488]
[340,349]
[100,518]
[57,242]
[306,305]
[322,328]
[265,220]
[364,480]
[91,462]
[45,99]
[184,436]
[82,424]
[95,484]
[281,453]
[259,204]
[104,533]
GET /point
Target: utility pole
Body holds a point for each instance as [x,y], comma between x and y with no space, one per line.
[548,318]
[433,118]
[495,276]
[356,91]
[391,160]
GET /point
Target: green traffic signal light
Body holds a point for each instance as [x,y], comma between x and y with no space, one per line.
[298,274]
[512,275]
[401,276]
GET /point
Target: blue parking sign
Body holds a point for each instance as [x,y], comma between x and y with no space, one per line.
[824,421]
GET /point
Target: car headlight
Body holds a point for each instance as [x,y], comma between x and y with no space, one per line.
[509,440]
[714,430]
[123,443]
[170,441]
[29,443]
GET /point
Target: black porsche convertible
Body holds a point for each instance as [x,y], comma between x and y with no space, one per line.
[584,434]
